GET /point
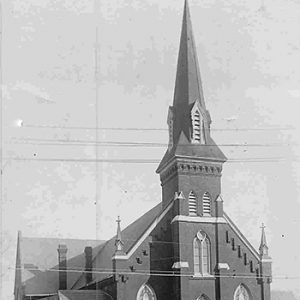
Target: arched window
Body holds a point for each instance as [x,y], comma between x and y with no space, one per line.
[242,293]
[192,204]
[201,254]
[146,293]
[206,204]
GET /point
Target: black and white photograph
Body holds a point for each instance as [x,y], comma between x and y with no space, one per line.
[150,149]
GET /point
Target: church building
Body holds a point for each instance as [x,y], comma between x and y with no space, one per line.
[185,248]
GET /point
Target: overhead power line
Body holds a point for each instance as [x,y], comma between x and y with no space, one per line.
[155,273]
[141,161]
[77,142]
[150,129]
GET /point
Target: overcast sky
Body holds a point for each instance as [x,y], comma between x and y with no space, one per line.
[249,55]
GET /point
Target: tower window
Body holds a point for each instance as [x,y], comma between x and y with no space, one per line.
[206,204]
[192,204]
[201,254]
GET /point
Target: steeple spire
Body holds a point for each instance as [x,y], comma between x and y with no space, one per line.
[188,119]
[263,248]
[119,243]
[188,86]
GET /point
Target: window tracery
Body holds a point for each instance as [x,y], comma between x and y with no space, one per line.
[201,254]
[146,293]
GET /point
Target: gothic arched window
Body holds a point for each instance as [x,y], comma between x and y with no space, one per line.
[206,204]
[241,293]
[146,293]
[201,254]
[192,204]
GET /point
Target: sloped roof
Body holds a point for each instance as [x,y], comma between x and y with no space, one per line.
[83,294]
[39,262]
[183,148]
[188,85]
[129,235]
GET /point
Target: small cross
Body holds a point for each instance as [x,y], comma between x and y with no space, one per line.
[118,220]
[263,226]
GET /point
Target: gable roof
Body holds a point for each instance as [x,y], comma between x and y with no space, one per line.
[241,236]
[130,236]
[38,262]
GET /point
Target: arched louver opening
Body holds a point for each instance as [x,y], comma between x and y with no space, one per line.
[192,204]
[242,293]
[197,127]
[206,204]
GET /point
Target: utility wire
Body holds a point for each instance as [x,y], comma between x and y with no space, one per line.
[146,272]
[77,142]
[141,161]
[151,129]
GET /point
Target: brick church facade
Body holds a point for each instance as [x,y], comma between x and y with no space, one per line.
[185,248]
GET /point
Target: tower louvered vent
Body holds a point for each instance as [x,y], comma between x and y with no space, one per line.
[192,204]
[206,205]
[197,127]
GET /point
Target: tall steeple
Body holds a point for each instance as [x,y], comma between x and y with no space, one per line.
[188,86]
[188,119]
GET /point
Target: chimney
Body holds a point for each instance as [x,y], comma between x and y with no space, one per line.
[62,266]
[88,264]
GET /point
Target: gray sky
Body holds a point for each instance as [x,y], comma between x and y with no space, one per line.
[249,59]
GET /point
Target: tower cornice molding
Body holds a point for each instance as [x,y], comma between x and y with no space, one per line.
[190,167]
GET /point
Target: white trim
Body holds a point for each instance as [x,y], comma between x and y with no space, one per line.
[203,276]
[266,260]
[244,240]
[145,234]
[180,265]
[223,266]
[197,219]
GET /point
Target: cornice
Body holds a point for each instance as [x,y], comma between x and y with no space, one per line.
[191,168]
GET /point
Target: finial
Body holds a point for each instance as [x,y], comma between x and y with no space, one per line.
[263,248]
[119,244]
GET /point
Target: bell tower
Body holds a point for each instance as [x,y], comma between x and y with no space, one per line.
[193,162]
